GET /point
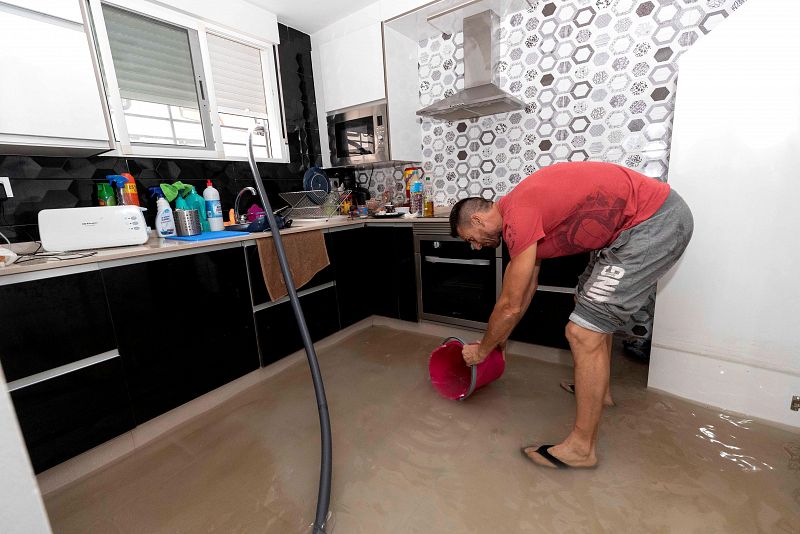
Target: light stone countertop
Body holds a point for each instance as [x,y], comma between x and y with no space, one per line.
[156,246]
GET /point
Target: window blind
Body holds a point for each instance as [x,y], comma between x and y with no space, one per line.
[152,59]
[238,76]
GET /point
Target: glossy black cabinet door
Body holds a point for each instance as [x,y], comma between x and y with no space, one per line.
[278,333]
[184,326]
[545,320]
[259,289]
[394,272]
[406,274]
[354,262]
[72,413]
[51,322]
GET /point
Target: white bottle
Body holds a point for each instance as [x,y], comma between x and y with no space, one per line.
[165,221]
[213,208]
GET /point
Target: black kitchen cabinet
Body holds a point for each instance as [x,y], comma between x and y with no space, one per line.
[393,271]
[549,311]
[184,326]
[259,288]
[278,333]
[545,320]
[354,262]
[52,322]
[71,413]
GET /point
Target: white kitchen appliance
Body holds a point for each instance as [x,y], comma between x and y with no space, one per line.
[89,228]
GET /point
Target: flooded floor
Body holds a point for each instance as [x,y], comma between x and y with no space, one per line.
[408,461]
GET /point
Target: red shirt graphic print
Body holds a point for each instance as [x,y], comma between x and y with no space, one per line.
[569,208]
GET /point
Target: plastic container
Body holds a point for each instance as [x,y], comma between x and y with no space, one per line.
[165,221]
[213,208]
[129,193]
[106,195]
[456,380]
[427,204]
[417,195]
[196,202]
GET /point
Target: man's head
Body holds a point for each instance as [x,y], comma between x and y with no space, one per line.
[477,221]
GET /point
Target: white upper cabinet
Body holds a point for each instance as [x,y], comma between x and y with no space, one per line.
[50,96]
[352,68]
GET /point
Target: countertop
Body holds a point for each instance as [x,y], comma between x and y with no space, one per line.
[155,245]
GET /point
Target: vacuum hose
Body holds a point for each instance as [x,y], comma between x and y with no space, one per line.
[324,494]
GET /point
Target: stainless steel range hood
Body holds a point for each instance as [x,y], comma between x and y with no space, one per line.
[480,95]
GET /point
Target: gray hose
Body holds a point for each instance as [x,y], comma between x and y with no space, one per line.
[324,494]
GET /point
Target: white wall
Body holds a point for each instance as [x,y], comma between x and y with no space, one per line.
[21,508]
[727,320]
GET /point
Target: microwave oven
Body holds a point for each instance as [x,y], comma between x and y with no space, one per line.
[359,135]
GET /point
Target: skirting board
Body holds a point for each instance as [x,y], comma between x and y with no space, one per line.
[727,385]
[116,448]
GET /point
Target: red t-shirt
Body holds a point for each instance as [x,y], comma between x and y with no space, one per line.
[576,207]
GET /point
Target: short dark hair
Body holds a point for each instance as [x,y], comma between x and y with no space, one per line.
[464,209]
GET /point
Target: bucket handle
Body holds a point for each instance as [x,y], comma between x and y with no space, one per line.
[473,370]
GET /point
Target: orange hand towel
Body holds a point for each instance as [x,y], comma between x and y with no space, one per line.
[305,252]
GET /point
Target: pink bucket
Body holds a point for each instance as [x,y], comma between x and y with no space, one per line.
[456,380]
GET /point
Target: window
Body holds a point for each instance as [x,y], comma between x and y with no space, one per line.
[158,75]
[180,87]
[238,80]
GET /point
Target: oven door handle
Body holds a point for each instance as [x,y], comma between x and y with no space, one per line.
[437,259]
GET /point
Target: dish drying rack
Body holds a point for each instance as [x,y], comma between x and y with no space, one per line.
[314,204]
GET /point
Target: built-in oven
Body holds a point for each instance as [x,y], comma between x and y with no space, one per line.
[455,284]
[359,135]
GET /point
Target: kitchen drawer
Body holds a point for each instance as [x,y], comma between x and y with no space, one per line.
[278,333]
[71,413]
[259,289]
[52,322]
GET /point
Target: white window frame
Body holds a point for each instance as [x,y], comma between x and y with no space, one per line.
[214,147]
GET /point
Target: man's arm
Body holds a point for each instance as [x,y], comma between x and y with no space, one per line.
[519,285]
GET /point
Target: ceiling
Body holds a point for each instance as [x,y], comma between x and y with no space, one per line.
[309,16]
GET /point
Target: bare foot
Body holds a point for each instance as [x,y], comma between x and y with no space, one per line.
[562,453]
[570,387]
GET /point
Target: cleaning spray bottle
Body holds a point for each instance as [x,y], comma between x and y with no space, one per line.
[213,208]
[165,221]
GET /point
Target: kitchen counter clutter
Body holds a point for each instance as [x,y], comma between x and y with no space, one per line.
[156,246]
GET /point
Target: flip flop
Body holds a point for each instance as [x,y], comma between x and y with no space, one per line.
[543,451]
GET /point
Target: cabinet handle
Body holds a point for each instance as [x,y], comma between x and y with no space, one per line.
[437,259]
[62,370]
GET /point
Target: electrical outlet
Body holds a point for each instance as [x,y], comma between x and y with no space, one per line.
[6,182]
[795,403]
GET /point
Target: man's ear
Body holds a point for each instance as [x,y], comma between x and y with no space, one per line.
[477,219]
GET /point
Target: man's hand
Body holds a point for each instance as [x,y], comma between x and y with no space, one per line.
[472,354]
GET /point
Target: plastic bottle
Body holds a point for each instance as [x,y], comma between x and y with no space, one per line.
[106,195]
[427,207]
[213,208]
[165,221]
[196,202]
[417,195]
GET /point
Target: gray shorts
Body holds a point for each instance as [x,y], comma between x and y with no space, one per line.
[619,278]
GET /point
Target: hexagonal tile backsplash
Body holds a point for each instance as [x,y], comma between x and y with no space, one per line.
[598,78]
